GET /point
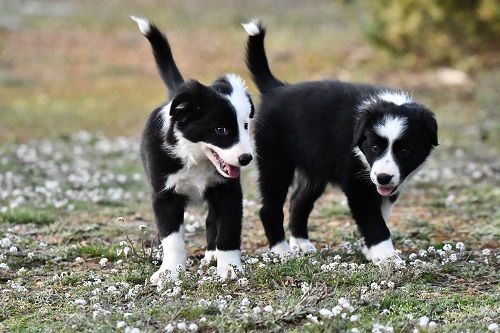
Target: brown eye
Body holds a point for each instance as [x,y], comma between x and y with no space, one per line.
[221,130]
[404,152]
[376,149]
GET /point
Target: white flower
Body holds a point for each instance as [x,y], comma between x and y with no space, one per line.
[126,250]
[304,287]
[245,302]
[431,249]
[493,327]
[325,313]
[169,328]
[373,286]
[354,318]
[79,260]
[243,282]
[268,308]
[453,257]
[385,312]
[423,321]
[460,246]
[355,330]
[413,256]
[181,326]
[486,252]
[13,249]
[4,266]
[103,262]
[312,318]
[31,255]
[390,285]
[120,324]
[336,310]
[5,242]
[447,247]
[432,325]
[193,327]
[143,227]
[129,329]
[257,310]
[80,302]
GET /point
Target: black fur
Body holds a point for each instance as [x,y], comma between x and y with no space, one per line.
[308,131]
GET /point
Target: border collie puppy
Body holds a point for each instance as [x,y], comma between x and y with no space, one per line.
[192,149]
[369,141]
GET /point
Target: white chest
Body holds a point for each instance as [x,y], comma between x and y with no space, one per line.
[193,180]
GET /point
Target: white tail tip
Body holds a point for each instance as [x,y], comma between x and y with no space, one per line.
[144,25]
[252,28]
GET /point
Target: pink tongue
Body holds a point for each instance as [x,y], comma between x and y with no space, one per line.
[385,190]
[233,172]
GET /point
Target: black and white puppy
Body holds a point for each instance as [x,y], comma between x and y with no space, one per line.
[192,149]
[369,141]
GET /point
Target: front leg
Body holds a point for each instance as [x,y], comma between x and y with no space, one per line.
[371,212]
[169,214]
[211,233]
[226,199]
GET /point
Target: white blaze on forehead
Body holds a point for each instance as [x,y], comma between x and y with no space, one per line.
[391,128]
[238,96]
[252,28]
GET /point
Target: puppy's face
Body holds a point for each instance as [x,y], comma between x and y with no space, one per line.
[217,119]
[393,141]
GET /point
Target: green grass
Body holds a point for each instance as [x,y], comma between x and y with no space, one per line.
[24,216]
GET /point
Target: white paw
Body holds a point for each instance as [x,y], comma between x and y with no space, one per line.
[281,248]
[163,275]
[381,251]
[210,255]
[228,264]
[302,244]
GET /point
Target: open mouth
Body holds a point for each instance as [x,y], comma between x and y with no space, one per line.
[386,190]
[225,169]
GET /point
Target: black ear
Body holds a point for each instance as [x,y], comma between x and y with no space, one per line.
[187,100]
[429,124]
[360,128]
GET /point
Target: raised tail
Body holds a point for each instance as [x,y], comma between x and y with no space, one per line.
[162,53]
[256,58]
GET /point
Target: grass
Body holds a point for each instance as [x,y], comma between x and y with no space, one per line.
[24,216]
[61,190]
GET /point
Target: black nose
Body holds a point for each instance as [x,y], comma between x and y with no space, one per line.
[244,159]
[383,178]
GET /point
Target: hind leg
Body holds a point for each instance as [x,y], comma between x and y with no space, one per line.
[275,176]
[302,201]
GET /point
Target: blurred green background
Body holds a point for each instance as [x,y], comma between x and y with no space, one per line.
[72,65]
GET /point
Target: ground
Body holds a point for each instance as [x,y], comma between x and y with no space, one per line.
[77,81]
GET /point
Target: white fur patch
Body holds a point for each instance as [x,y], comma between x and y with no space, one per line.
[252,28]
[193,180]
[228,262]
[210,255]
[386,209]
[174,257]
[390,128]
[302,244]
[359,154]
[281,248]
[396,97]
[144,25]
[382,250]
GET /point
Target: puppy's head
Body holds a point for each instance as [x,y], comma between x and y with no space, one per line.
[393,137]
[216,119]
